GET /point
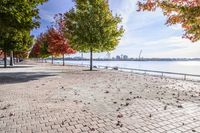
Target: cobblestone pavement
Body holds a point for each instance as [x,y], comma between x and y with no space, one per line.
[69,100]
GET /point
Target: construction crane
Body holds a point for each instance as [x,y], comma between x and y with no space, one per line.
[140,55]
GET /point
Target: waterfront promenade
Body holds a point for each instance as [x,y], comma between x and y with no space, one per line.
[39,97]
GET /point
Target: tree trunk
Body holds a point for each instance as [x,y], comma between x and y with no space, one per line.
[11,58]
[91,59]
[63,59]
[14,59]
[52,59]
[5,59]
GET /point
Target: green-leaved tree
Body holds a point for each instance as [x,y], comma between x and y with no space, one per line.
[17,16]
[91,27]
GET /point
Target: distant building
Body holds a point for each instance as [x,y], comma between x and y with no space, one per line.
[118,57]
[125,57]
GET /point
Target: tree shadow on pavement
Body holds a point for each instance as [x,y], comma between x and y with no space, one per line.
[88,70]
[16,66]
[20,77]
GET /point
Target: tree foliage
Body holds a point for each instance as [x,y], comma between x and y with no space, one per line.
[40,48]
[20,14]
[184,12]
[52,42]
[1,53]
[58,44]
[49,43]
[91,25]
[17,19]
[35,51]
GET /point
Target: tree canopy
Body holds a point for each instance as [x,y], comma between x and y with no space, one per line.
[17,19]
[40,48]
[52,42]
[91,25]
[58,44]
[20,14]
[184,12]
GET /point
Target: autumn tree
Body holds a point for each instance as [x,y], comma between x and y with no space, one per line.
[184,12]
[51,42]
[43,42]
[16,17]
[22,45]
[35,51]
[58,44]
[40,48]
[91,27]
[1,53]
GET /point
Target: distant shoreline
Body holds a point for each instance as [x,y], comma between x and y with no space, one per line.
[153,59]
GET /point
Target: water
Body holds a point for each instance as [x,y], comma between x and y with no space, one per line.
[188,67]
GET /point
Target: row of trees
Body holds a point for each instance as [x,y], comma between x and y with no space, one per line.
[52,43]
[88,27]
[17,19]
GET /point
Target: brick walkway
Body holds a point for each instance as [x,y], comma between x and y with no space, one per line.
[73,101]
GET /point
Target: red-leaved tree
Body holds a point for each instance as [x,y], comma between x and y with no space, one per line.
[184,12]
[1,53]
[35,52]
[40,48]
[52,42]
[58,44]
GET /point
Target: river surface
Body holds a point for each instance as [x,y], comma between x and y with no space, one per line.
[188,67]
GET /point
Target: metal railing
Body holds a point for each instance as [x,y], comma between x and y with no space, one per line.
[159,73]
[184,76]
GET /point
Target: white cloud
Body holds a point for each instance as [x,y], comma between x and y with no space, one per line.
[167,47]
[124,8]
[168,44]
[47,15]
[189,52]
[178,47]
[176,27]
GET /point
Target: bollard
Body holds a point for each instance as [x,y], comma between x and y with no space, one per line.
[185,77]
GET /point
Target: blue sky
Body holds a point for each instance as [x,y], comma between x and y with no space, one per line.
[144,31]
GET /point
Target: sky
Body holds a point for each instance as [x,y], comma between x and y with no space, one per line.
[144,31]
